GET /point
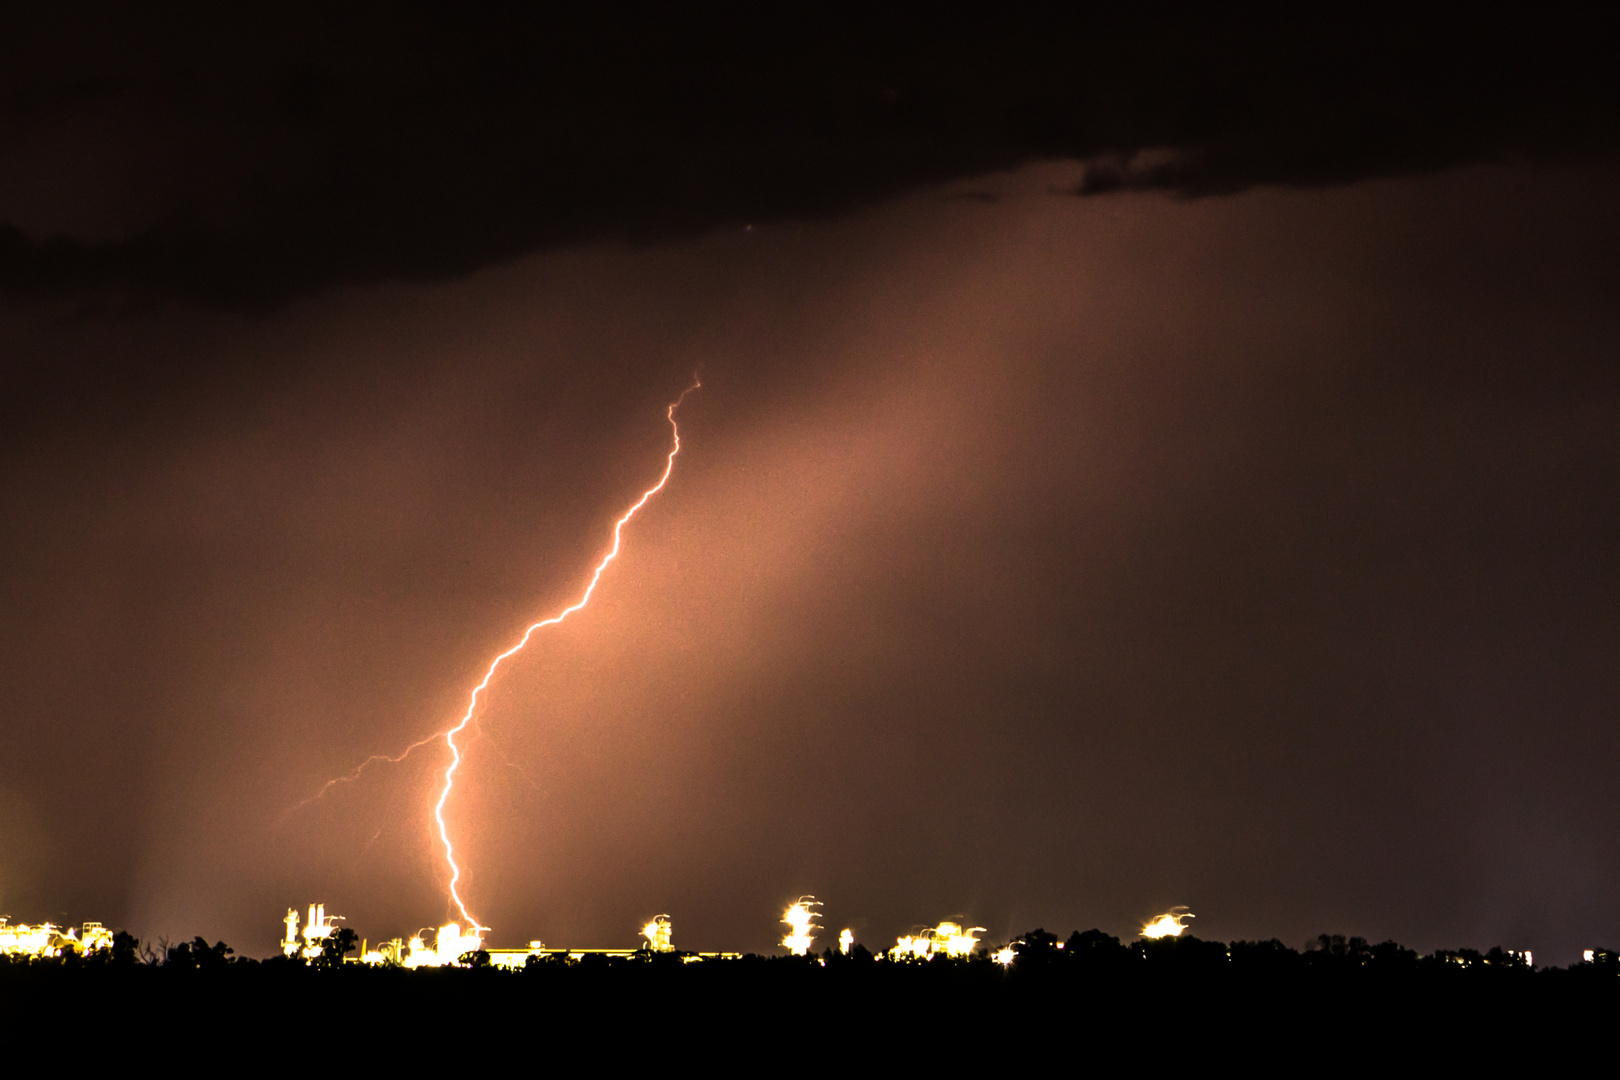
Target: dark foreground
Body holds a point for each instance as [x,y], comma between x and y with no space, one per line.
[1342,1004]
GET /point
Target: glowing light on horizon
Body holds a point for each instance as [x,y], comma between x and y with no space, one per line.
[946,939]
[801,921]
[846,941]
[319,927]
[658,933]
[48,939]
[1170,924]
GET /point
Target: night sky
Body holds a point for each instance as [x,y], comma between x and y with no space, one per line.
[1141,461]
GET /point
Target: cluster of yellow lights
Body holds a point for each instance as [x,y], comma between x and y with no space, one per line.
[48,940]
[308,943]
[801,921]
[452,945]
[658,934]
[1170,924]
[946,939]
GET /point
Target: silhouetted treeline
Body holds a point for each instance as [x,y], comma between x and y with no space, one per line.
[1168,996]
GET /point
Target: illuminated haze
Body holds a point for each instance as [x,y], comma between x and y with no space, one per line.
[1031,559]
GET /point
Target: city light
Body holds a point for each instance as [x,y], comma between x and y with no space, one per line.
[1170,924]
[801,921]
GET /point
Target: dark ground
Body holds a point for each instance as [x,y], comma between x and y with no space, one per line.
[1094,999]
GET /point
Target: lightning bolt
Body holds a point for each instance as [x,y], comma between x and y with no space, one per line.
[449,736]
[472,702]
[349,778]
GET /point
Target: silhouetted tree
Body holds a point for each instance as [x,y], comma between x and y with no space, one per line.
[1269,959]
[1091,941]
[541,961]
[1034,951]
[1094,951]
[1455,959]
[125,949]
[1500,958]
[1184,954]
[1391,957]
[335,946]
[197,954]
[1603,959]
[1353,951]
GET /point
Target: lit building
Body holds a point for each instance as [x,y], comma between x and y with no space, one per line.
[1170,924]
[308,944]
[658,934]
[47,940]
[451,945]
[946,939]
[801,920]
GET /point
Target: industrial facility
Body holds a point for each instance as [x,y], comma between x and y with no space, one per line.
[47,940]
[308,938]
[946,939]
[450,944]
[453,945]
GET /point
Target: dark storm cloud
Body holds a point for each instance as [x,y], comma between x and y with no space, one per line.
[245,160]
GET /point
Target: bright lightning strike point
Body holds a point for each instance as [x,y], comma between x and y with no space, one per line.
[472,703]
